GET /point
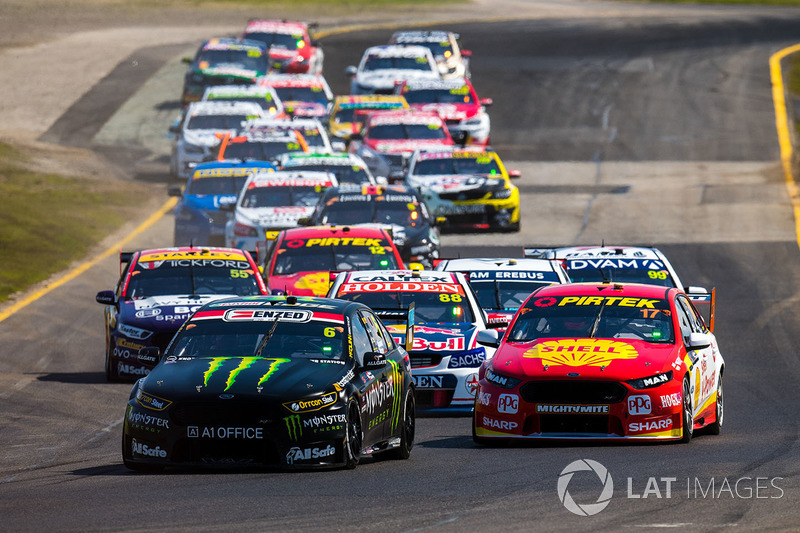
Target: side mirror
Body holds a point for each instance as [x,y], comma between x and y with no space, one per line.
[304,221]
[486,102]
[174,190]
[374,359]
[488,337]
[439,221]
[106,297]
[460,137]
[514,174]
[227,206]
[149,356]
[466,53]
[351,70]
[175,128]
[697,341]
[188,60]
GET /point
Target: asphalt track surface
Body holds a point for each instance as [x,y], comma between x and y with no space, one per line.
[659,132]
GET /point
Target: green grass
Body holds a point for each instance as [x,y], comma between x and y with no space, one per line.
[49,221]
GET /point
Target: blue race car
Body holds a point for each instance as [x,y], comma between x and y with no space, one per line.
[198,218]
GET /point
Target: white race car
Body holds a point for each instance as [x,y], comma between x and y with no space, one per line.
[273,201]
[445,355]
[382,67]
[503,284]
[452,59]
[202,127]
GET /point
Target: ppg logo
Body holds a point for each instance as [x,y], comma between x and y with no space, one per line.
[508,403]
[639,405]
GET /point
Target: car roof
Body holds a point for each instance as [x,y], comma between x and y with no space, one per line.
[231,43]
[498,263]
[404,115]
[308,178]
[398,50]
[423,276]
[622,290]
[275,25]
[223,107]
[583,252]
[310,303]
[354,100]
[422,35]
[192,252]
[374,192]
[282,79]
[451,83]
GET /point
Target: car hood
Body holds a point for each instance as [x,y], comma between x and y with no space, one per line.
[276,378]
[276,217]
[404,145]
[449,111]
[160,313]
[230,71]
[204,137]
[386,78]
[454,182]
[606,359]
[309,283]
[301,108]
[207,202]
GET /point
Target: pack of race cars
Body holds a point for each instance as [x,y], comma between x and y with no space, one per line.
[304,315]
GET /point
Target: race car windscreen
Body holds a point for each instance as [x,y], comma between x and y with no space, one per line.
[343,173]
[166,280]
[618,270]
[401,213]
[406,131]
[429,307]
[259,151]
[404,63]
[458,95]
[302,94]
[289,340]
[297,256]
[275,40]
[265,101]
[485,166]
[348,114]
[215,185]
[216,122]
[504,294]
[593,316]
[251,59]
[281,196]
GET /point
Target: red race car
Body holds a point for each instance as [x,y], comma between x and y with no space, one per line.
[598,361]
[291,49]
[301,260]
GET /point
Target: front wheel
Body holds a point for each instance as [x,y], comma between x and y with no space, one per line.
[112,376]
[687,427]
[408,421]
[354,436]
[715,427]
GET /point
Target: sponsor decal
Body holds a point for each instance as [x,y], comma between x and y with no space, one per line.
[656,380]
[619,301]
[581,352]
[651,425]
[293,427]
[266,315]
[313,404]
[402,286]
[499,424]
[296,454]
[472,384]
[147,422]
[671,400]
[244,363]
[428,382]
[484,398]
[148,313]
[137,448]
[508,403]
[122,368]
[452,344]
[571,409]
[469,359]
[640,404]
[151,402]
[224,432]
[708,384]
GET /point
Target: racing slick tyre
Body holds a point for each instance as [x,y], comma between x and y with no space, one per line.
[475,438]
[715,427]
[687,424]
[407,429]
[353,436]
[112,376]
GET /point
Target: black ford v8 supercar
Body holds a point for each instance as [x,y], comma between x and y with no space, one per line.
[272,381]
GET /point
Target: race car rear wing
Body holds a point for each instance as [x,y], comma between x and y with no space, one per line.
[705,303]
[400,314]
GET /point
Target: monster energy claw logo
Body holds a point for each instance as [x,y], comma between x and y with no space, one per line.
[244,364]
[293,427]
[398,389]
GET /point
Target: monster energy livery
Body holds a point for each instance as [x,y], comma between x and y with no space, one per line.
[276,381]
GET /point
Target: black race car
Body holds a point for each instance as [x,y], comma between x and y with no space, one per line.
[280,381]
[398,208]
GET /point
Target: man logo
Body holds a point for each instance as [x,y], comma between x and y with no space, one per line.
[588,509]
